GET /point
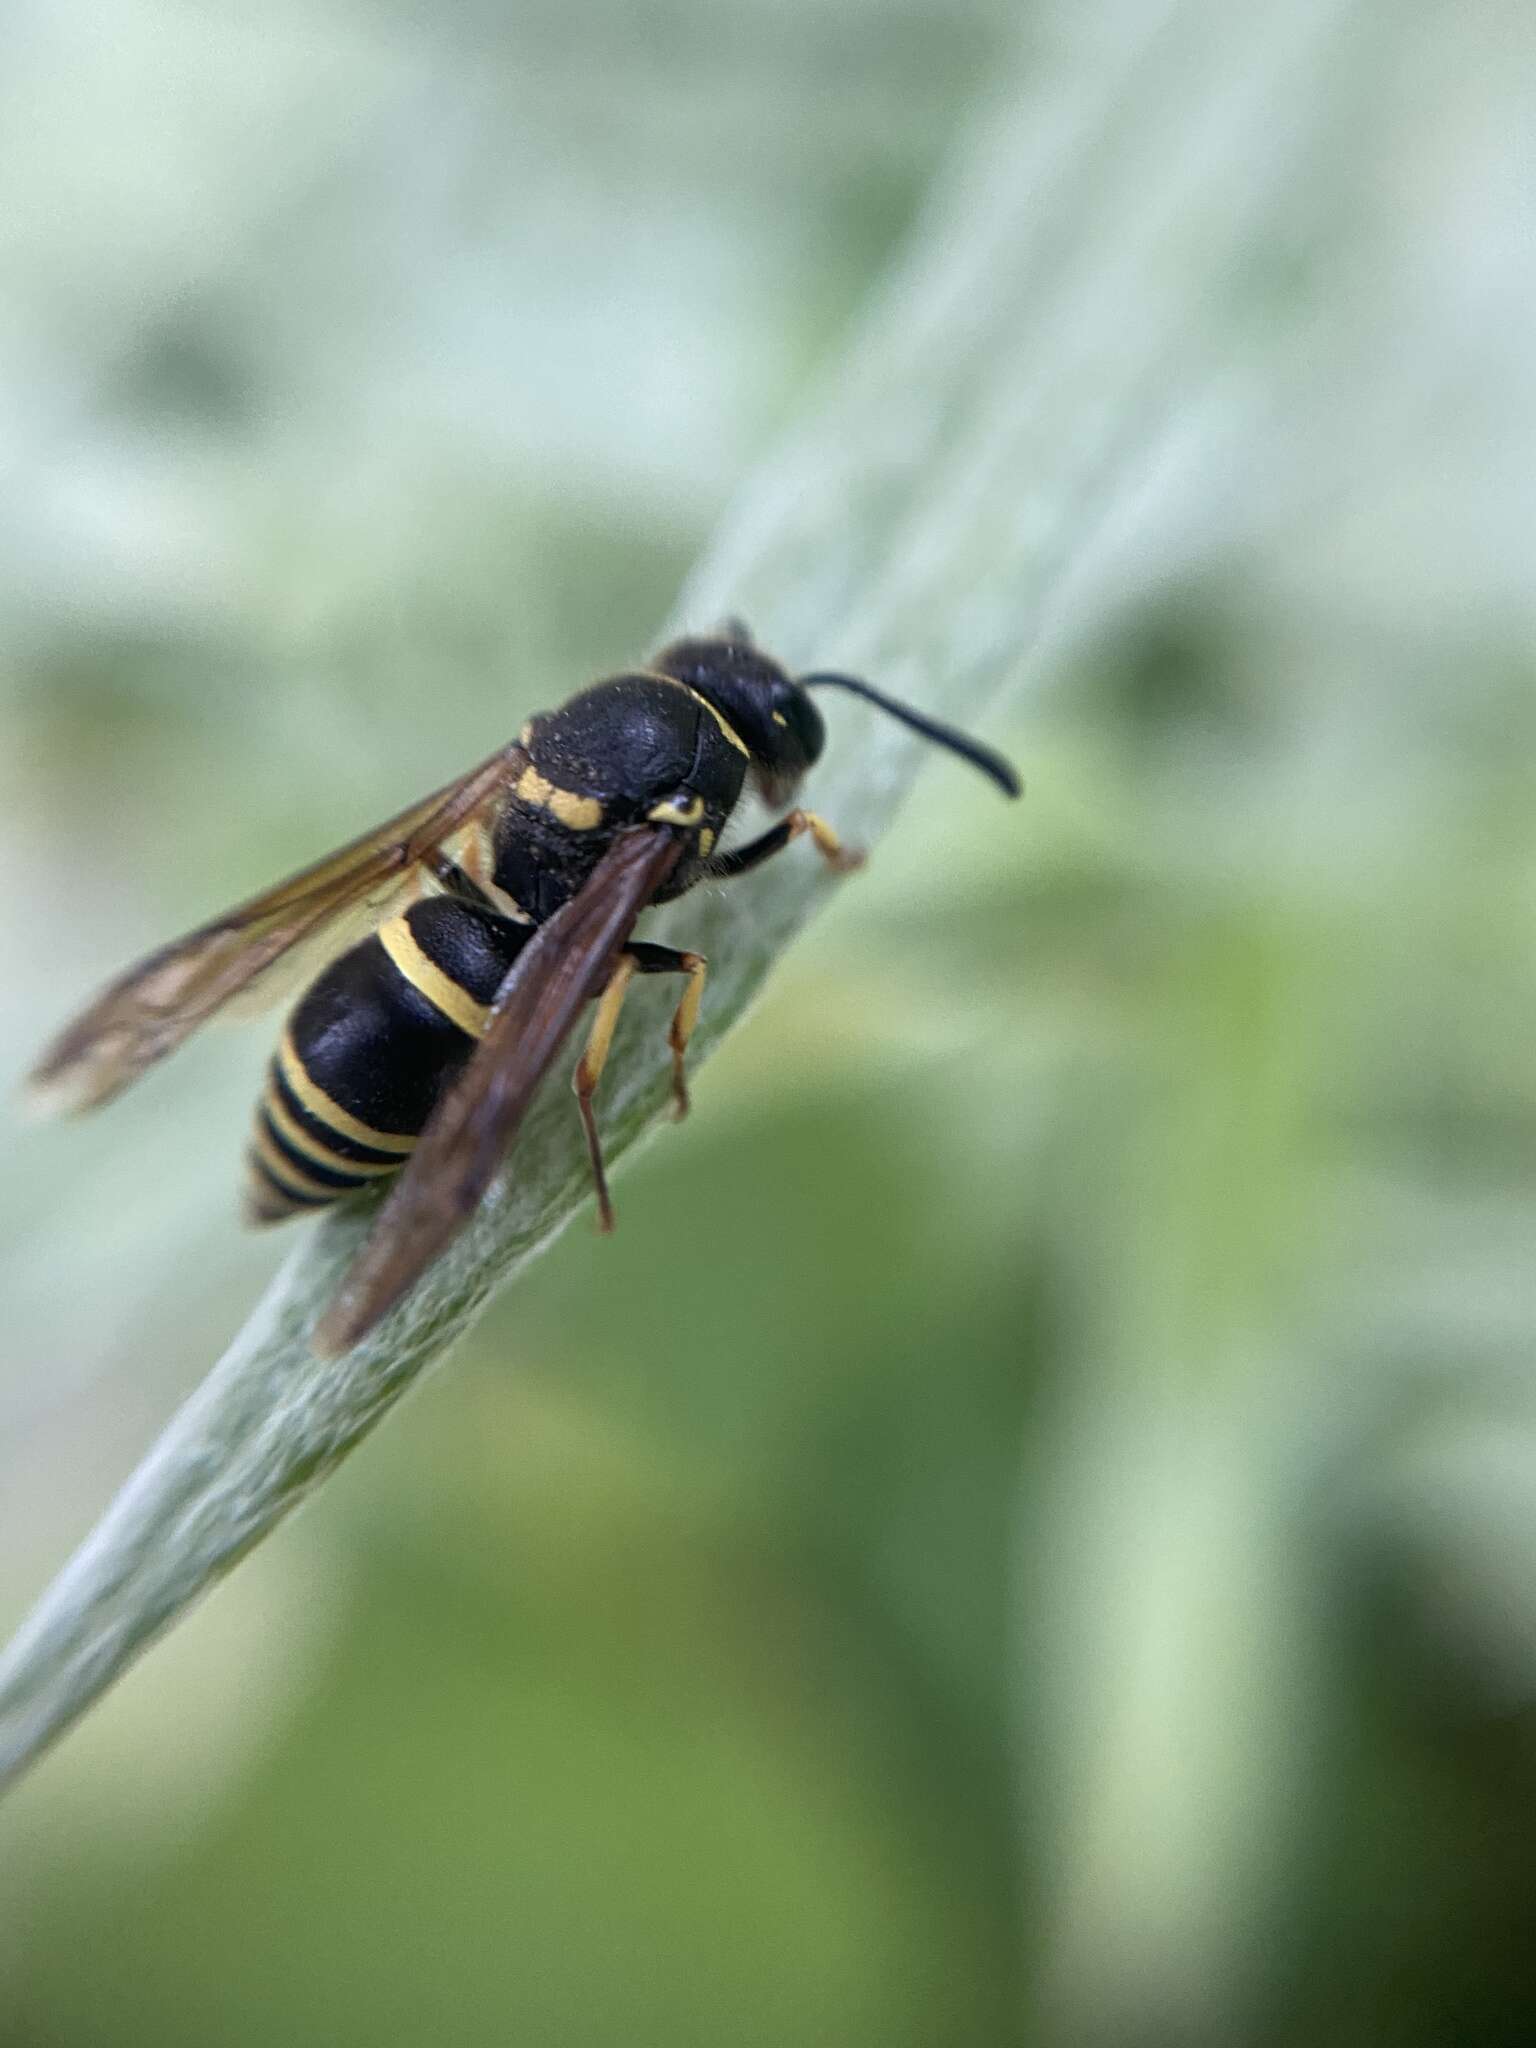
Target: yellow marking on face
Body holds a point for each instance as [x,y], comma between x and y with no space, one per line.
[675,812]
[715,713]
[289,1128]
[780,719]
[290,1178]
[320,1106]
[424,975]
[706,843]
[577,813]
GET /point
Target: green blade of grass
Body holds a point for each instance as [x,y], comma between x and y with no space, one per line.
[1031,387]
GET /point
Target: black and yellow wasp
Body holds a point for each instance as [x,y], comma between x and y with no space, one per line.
[499,907]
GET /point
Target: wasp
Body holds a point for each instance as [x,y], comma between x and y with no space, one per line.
[496,909]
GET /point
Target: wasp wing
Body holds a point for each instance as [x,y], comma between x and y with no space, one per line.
[147,1012]
[476,1121]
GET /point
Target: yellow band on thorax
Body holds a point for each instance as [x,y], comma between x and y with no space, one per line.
[577,813]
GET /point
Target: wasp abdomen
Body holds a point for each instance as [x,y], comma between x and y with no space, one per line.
[368,1051]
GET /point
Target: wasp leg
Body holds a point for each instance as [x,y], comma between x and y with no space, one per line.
[651,959]
[841,859]
[589,1071]
[455,882]
[637,958]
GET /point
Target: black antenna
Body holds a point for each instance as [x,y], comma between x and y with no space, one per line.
[1001,771]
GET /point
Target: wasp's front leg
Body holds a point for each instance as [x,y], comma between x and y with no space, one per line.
[841,859]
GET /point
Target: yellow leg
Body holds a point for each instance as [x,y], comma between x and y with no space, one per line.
[684,1018]
[841,859]
[589,1071]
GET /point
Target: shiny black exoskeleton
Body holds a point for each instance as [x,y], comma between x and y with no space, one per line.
[370,1047]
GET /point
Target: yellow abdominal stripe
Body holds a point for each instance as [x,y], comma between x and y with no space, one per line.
[312,1097]
[293,1133]
[290,1178]
[424,974]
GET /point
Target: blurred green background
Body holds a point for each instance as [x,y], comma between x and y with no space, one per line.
[1027,1533]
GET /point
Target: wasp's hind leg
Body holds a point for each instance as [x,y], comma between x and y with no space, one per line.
[589,1071]
[636,958]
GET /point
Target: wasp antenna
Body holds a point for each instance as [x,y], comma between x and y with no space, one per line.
[991,764]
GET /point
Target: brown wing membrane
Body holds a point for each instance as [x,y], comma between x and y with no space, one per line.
[148,1011]
[474,1125]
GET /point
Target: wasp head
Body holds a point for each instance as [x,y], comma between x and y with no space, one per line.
[777,723]
[780,726]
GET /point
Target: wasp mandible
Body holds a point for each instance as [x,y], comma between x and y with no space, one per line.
[496,909]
